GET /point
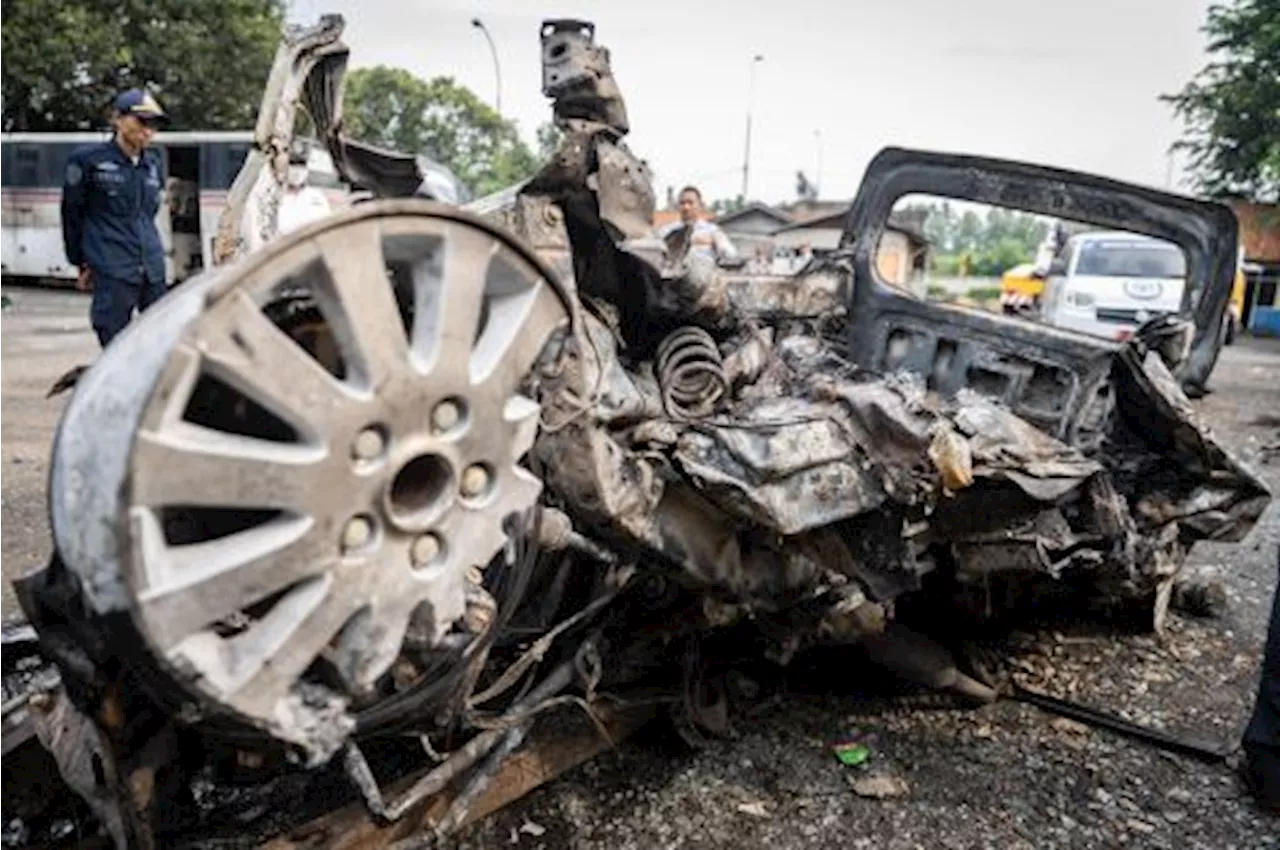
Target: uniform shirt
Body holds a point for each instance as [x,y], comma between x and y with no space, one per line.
[708,239]
[109,206]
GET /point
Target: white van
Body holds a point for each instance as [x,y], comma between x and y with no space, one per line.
[1107,284]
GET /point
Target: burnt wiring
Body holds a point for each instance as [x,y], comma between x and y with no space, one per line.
[539,649]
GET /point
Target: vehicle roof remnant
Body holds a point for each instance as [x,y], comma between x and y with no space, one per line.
[385,491]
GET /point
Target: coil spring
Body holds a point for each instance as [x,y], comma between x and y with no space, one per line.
[690,373]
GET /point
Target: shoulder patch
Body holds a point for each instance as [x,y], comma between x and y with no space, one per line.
[74,173]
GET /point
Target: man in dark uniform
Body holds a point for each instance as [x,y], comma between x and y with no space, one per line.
[110,196]
[1262,737]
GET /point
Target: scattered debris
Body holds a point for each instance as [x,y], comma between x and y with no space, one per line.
[852,754]
[1201,592]
[756,809]
[531,828]
[1067,726]
[881,787]
[67,381]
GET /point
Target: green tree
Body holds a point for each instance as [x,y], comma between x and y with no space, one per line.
[968,243]
[549,138]
[65,60]
[438,118]
[1231,109]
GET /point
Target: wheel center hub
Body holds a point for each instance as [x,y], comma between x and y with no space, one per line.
[421,491]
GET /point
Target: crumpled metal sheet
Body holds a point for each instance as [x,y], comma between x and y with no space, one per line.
[1215,496]
[1007,447]
[782,463]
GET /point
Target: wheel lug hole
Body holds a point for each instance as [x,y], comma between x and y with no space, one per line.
[369,444]
[448,416]
[477,481]
[426,551]
[357,533]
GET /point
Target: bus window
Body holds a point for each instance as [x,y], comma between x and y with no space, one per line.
[26,167]
[53,167]
[220,162]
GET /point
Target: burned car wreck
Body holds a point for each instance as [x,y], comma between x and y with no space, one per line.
[410,477]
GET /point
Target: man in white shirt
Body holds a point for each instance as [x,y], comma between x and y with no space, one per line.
[696,232]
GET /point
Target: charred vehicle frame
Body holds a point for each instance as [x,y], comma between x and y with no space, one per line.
[408,478]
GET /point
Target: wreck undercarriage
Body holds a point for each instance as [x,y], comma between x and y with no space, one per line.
[418,473]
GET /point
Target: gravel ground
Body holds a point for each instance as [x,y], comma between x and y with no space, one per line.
[44,334]
[1005,776]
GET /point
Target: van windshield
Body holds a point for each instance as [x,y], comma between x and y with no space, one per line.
[1130,259]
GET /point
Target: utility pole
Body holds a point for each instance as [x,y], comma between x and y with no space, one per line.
[497,69]
[746,154]
[817,183]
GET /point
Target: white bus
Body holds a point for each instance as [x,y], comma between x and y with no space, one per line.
[200,166]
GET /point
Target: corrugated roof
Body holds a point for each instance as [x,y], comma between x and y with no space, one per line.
[772,212]
[837,220]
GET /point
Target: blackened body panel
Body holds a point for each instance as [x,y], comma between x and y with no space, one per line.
[1048,375]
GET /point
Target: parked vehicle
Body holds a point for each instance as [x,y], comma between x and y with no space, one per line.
[200,167]
[1108,284]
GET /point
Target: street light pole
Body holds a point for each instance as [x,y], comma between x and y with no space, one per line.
[497,69]
[746,154]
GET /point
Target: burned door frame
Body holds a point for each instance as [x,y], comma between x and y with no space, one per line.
[1056,378]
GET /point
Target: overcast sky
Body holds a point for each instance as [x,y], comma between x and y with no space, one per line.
[1072,85]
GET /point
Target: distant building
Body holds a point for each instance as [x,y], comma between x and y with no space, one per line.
[808,209]
[1260,241]
[752,227]
[902,257]
[788,235]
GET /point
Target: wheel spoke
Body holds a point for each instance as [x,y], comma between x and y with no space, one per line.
[447,308]
[475,538]
[360,304]
[272,655]
[522,413]
[519,492]
[199,584]
[515,335]
[191,465]
[371,642]
[258,359]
